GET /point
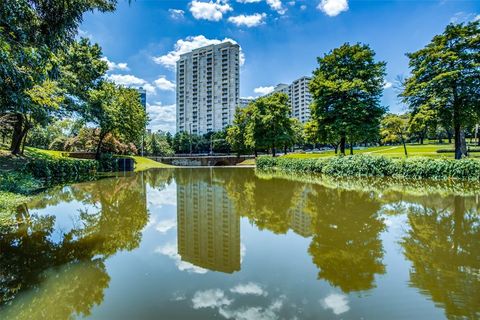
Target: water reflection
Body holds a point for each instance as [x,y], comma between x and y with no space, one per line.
[59,273]
[57,270]
[208,226]
[443,244]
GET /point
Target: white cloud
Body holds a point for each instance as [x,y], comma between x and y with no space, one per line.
[249,21]
[84,34]
[212,11]
[115,66]
[337,302]
[129,80]
[176,14]
[164,226]
[249,1]
[462,17]
[162,117]
[387,85]
[477,18]
[170,250]
[303,7]
[249,288]
[333,7]
[291,3]
[277,6]
[163,83]
[264,90]
[188,44]
[214,298]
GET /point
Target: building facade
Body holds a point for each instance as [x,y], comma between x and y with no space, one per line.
[143,97]
[300,97]
[208,88]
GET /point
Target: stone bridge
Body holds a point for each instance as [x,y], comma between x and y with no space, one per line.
[199,160]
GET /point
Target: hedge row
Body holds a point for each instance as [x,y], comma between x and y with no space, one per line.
[470,149]
[61,169]
[377,166]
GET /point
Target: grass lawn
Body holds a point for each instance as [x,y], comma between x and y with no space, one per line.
[142,163]
[425,150]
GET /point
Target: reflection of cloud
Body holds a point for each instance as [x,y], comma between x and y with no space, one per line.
[255,313]
[243,252]
[165,225]
[179,296]
[337,302]
[170,250]
[167,196]
[214,298]
[249,288]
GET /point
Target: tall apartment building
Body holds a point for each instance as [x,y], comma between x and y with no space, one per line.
[208,232]
[208,88]
[300,97]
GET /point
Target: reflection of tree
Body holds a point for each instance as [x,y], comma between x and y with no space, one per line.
[346,246]
[444,247]
[346,225]
[265,203]
[65,274]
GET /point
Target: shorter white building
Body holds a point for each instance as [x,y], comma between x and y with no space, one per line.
[244,102]
[300,97]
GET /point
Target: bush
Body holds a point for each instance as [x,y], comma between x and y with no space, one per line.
[61,169]
[470,149]
[19,182]
[377,166]
[107,163]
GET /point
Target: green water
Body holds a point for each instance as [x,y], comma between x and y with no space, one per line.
[227,243]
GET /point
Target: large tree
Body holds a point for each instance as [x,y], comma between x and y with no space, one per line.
[269,125]
[32,33]
[346,90]
[237,132]
[118,111]
[446,78]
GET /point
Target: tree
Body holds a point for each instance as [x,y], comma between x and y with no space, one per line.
[269,125]
[446,78]
[421,122]
[116,110]
[237,132]
[346,89]
[394,128]
[32,33]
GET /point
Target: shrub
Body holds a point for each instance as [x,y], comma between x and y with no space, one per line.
[107,163]
[377,166]
[470,149]
[18,182]
[61,169]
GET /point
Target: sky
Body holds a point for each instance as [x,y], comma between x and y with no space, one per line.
[280,40]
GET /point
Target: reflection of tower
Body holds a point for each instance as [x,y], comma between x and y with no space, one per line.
[301,222]
[208,227]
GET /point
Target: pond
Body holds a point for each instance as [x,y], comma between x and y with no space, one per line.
[229,243]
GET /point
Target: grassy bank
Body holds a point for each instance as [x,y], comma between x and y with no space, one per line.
[377,166]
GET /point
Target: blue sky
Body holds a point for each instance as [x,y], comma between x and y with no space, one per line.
[280,39]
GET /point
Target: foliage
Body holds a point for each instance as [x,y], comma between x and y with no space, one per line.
[118,111]
[157,144]
[269,124]
[61,169]
[378,166]
[32,35]
[446,78]
[394,128]
[19,182]
[346,91]
[237,132]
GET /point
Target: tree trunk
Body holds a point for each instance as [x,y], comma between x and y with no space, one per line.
[17,134]
[404,147]
[460,144]
[351,149]
[421,140]
[335,147]
[256,153]
[285,150]
[99,147]
[273,151]
[342,145]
